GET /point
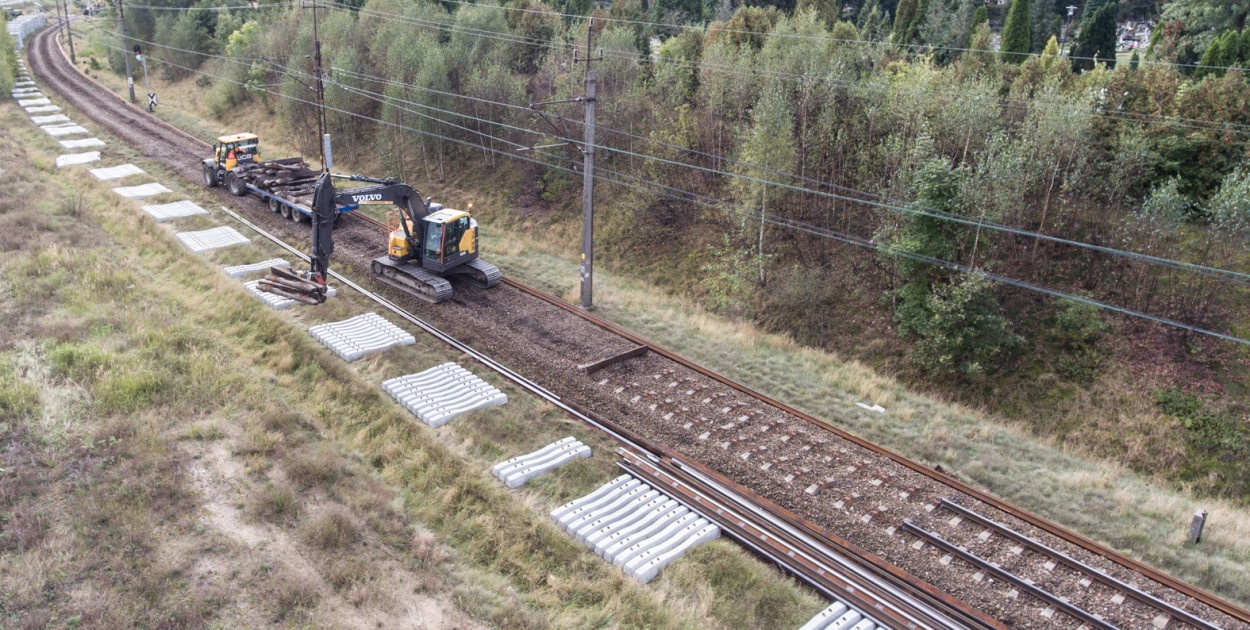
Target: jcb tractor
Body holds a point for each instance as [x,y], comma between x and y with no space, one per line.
[229,153]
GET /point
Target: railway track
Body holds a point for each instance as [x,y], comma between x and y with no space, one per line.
[802,471]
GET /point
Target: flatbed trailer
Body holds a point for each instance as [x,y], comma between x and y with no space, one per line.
[296,211]
[286,185]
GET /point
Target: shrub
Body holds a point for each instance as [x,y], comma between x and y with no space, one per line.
[332,529]
[274,503]
[1076,330]
[964,332]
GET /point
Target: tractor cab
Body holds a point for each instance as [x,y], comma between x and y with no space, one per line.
[229,151]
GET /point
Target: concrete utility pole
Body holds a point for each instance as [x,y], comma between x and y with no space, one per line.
[69,35]
[588,180]
[121,18]
[60,26]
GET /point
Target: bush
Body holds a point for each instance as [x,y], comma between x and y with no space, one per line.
[332,529]
[274,503]
[1076,330]
[964,330]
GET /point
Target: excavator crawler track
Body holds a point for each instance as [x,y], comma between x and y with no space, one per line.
[480,273]
[412,280]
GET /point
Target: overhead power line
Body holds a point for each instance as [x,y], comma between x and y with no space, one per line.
[771,219]
[1019,104]
[905,207]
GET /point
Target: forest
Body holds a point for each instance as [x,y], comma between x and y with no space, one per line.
[936,187]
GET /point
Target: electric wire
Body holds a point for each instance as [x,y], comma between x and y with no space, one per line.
[782,222]
[908,208]
[1220,274]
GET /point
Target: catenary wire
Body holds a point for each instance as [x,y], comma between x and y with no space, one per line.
[1213,272]
[815,230]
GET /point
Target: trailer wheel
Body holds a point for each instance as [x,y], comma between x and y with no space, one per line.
[235,184]
[210,176]
[284,210]
[274,205]
[298,216]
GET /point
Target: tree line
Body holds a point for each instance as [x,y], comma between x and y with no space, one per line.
[795,113]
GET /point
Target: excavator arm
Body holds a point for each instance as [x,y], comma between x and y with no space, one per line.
[327,200]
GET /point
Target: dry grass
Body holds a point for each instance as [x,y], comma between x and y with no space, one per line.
[330,530]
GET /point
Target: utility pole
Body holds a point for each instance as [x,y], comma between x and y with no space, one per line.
[60,27]
[587,274]
[69,35]
[121,18]
[323,137]
[1063,36]
[588,179]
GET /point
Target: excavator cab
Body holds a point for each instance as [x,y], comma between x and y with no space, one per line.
[228,153]
[447,239]
[450,240]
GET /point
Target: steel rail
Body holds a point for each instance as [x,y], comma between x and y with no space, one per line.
[1189,590]
[834,562]
[1068,608]
[1072,563]
[572,409]
[807,568]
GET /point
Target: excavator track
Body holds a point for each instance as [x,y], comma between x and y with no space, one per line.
[412,280]
[480,273]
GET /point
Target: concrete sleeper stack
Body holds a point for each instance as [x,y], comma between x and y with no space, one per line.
[518,470]
[636,528]
[443,392]
[355,337]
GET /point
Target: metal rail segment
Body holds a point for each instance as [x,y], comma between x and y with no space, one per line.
[946,611]
[1017,582]
[1072,563]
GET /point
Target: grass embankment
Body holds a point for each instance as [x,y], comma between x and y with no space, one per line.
[1054,476]
[178,455]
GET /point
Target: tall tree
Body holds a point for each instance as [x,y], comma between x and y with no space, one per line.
[1046,23]
[1018,32]
[979,17]
[1097,41]
[767,143]
[903,19]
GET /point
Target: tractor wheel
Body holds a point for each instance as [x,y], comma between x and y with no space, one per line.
[235,184]
[210,176]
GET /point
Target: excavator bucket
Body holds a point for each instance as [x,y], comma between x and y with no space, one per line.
[292,285]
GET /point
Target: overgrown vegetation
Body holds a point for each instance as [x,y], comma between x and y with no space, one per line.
[803,90]
[8,55]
